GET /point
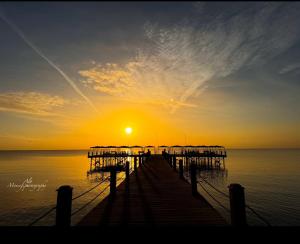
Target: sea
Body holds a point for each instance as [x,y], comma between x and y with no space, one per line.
[29,181]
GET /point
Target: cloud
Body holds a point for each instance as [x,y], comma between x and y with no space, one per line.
[199,6]
[179,60]
[16,29]
[110,78]
[135,81]
[18,137]
[30,103]
[290,68]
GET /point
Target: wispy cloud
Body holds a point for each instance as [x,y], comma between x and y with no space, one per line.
[131,82]
[199,6]
[110,78]
[179,61]
[18,137]
[16,29]
[30,103]
[290,68]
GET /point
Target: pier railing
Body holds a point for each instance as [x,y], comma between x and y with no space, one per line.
[176,149]
[236,196]
[64,197]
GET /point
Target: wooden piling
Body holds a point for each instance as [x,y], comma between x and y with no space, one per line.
[193,177]
[237,205]
[187,163]
[174,162]
[113,181]
[127,170]
[64,206]
[135,163]
[181,169]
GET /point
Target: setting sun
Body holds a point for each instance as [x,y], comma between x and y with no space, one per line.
[128,130]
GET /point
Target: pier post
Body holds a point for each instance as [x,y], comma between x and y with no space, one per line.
[113,181]
[193,169]
[170,160]
[187,162]
[64,206]
[181,169]
[135,163]
[174,162]
[237,205]
[127,170]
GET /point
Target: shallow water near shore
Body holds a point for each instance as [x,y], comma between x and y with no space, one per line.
[271,179]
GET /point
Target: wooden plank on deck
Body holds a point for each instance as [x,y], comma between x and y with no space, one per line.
[155,197]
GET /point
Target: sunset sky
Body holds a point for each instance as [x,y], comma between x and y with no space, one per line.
[75,75]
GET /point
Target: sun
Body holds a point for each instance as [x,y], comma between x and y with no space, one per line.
[128,130]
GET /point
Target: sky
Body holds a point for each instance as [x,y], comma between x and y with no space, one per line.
[76,74]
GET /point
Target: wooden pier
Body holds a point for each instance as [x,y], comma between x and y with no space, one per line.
[102,158]
[156,193]
[153,195]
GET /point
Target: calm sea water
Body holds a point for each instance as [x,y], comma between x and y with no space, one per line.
[271,179]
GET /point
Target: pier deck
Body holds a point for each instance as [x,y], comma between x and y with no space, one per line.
[154,196]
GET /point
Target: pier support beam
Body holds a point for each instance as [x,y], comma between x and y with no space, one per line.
[188,163]
[127,170]
[174,162]
[64,206]
[135,163]
[193,170]
[113,181]
[181,169]
[237,205]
